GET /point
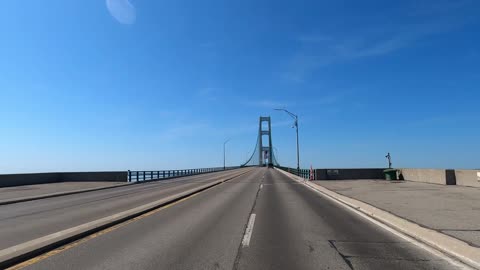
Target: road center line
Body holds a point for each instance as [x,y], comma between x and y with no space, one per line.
[248,231]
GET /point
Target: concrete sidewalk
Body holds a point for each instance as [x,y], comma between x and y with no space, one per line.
[12,193]
[452,210]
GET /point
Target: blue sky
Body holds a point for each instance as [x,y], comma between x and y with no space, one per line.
[142,85]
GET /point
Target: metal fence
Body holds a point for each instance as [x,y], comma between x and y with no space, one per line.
[140,176]
[304,173]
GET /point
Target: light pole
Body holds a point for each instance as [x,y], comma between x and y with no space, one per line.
[389,158]
[224,153]
[295,117]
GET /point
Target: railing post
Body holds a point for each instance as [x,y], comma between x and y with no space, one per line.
[129,176]
[144,176]
[163,174]
[137,177]
[151,175]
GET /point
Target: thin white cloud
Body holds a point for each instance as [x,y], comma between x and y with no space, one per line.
[269,104]
[327,100]
[283,123]
[319,51]
[314,38]
[122,10]
[182,130]
[210,93]
[436,7]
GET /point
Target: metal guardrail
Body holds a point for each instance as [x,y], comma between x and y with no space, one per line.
[140,176]
[304,173]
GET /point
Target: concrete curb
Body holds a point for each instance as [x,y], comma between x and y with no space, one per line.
[446,244]
[23,251]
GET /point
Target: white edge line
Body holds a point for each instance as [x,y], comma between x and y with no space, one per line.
[248,231]
[409,239]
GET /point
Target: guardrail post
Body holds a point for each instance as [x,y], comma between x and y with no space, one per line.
[129,176]
[151,175]
[144,176]
[137,177]
[163,174]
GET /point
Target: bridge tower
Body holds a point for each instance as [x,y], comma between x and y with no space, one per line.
[266,151]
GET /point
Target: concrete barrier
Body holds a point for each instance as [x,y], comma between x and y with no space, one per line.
[349,174]
[469,178]
[432,176]
[11,180]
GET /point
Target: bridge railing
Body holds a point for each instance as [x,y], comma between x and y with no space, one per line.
[140,176]
[304,173]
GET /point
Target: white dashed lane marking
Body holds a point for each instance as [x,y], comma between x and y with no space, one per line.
[248,231]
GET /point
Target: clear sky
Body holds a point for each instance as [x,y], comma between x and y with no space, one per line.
[159,84]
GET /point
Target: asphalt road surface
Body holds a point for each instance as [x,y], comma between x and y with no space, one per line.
[260,220]
[26,221]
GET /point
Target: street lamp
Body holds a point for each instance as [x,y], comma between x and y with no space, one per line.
[295,117]
[224,153]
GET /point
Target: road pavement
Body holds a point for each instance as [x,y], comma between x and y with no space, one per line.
[11,193]
[452,210]
[260,220]
[26,221]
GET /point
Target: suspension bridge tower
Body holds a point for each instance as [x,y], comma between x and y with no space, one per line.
[266,153]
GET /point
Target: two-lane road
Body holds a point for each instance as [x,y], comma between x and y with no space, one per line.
[293,228]
[21,222]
